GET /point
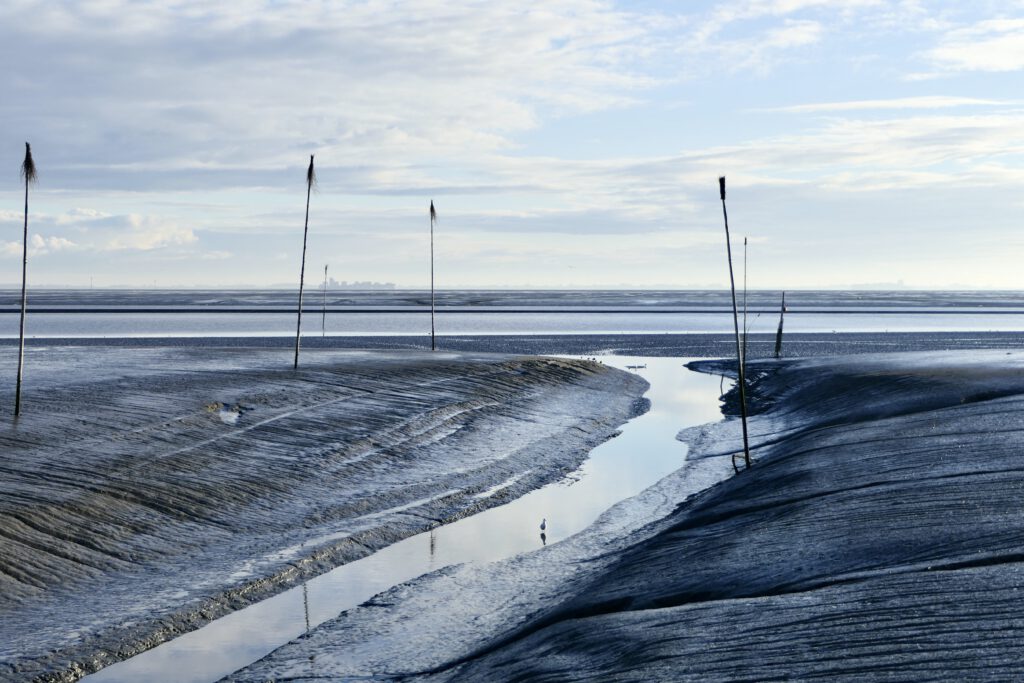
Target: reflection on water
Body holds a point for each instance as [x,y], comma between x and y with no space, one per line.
[92,325]
[645,452]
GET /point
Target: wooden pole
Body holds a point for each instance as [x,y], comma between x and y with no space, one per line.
[28,173]
[778,335]
[433,218]
[323,320]
[746,329]
[310,179]
[24,306]
[736,326]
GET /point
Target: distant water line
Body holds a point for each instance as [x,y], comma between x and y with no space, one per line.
[409,323]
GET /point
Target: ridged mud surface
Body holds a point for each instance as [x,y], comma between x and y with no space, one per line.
[877,537]
[147,491]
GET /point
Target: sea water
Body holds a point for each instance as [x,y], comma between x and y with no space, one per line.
[56,314]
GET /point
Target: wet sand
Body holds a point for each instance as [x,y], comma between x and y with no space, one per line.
[876,537]
[149,490]
[719,345]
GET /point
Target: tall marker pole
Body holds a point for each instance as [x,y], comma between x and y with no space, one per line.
[433,219]
[323,320]
[736,326]
[28,174]
[310,182]
[778,335]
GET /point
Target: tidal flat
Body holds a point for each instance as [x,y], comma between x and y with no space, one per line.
[150,490]
[876,537]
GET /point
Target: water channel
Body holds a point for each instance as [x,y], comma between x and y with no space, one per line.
[646,451]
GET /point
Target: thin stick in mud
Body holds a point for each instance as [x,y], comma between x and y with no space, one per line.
[433,219]
[28,174]
[310,183]
[736,326]
[323,319]
[778,335]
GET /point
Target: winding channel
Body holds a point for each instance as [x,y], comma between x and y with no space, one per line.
[620,468]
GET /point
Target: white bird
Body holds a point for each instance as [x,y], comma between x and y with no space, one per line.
[544,524]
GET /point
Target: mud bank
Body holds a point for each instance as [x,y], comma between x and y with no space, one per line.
[444,616]
[150,490]
[877,537]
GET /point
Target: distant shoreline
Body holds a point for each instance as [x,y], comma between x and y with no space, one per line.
[504,310]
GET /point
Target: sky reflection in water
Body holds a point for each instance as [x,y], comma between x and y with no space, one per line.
[76,325]
[645,452]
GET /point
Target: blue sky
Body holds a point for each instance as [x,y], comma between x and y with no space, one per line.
[565,143]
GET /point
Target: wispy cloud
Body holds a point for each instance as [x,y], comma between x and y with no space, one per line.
[42,245]
[990,45]
[38,245]
[936,148]
[96,231]
[144,233]
[546,128]
[919,102]
[725,15]
[255,84]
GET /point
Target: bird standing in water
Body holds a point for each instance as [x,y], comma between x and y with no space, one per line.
[544,524]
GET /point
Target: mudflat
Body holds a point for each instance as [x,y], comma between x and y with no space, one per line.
[149,490]
[876,537]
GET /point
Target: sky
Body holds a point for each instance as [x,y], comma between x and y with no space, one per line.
[565,143]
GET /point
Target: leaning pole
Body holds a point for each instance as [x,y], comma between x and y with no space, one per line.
[736,326]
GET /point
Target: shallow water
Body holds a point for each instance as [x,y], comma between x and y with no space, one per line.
[264,324]
[645,452]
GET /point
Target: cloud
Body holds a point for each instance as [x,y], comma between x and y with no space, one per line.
[760,50]
[762,36]
[920,102]
[175,132]
[793,34]
[78,215]
[96,231]
[938,149]
[213,92]
[216,255]
[43,245]
[38,245]
[939,153]
[145,233]
[728,14]
[990,45]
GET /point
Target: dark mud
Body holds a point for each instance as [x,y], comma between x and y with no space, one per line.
[876,537]
[150,490]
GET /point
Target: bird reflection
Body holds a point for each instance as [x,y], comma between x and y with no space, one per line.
[433,544]
[543,538]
